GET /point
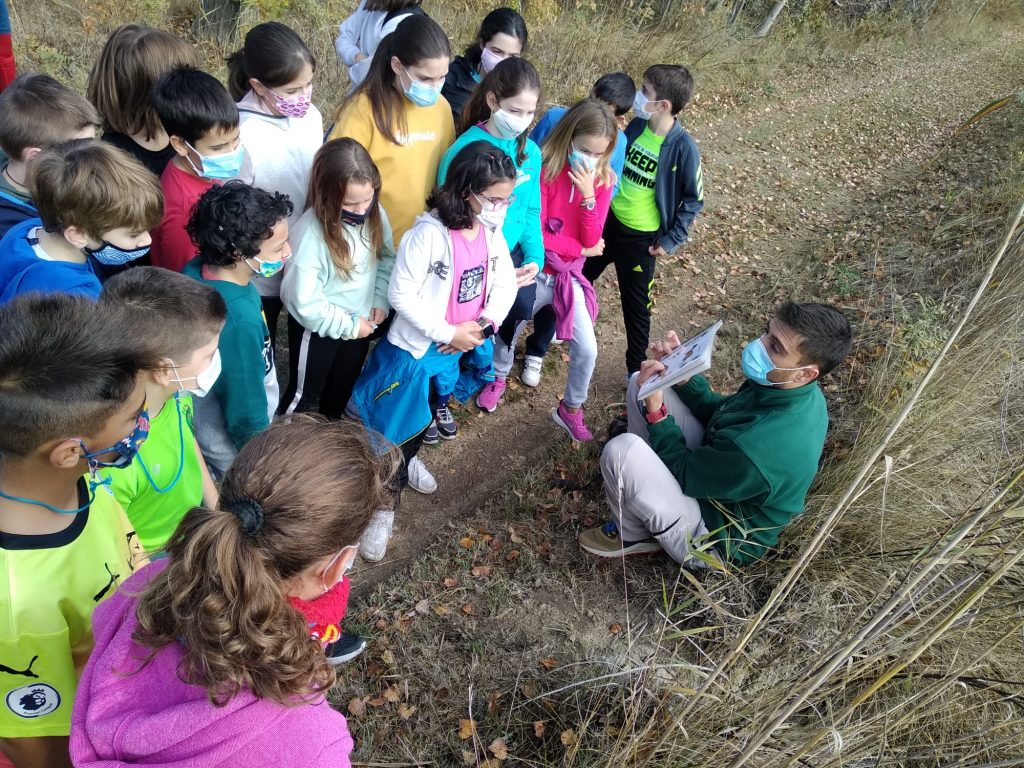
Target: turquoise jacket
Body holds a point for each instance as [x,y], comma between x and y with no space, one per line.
[522,222]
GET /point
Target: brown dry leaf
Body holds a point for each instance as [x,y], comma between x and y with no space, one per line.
[393,694]
[499,749]
[565,358]
[490,762]
[422,607]
[467,543]
[615,629]
[466,728]
[529,690]
[512,555]
[544,547]
[549,662]
[481,571]
[405,711]
[468,757]
[539,727]
[450,582]
[440,610]
[468,609]
[387,657]
[568,737]
[378,702]
[492,704]
[357,706]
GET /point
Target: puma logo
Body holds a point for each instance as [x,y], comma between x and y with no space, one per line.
[110,584]
[23,672]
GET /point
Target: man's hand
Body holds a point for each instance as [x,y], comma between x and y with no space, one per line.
[377,316]
[661,348]
[594,250]
[525,274]
[648,370]
[468,334]
[657,250]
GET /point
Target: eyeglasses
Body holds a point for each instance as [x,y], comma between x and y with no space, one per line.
[497,202]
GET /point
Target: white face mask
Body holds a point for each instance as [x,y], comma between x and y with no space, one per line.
[204,381]
[510,126]
[639,102]
[491,215]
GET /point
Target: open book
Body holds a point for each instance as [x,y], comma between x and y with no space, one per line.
[691,357]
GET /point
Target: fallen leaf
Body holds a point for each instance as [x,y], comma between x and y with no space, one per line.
[549,662]
[490,762]
[467,543]
[468,757]
[499,749]
[568,737]
[379,737]
[378,702]
[529,690]
[468,609]
[405,711]
[450,582]
[422,607]
[357,706]
[466,728]
[539,727]
[440,610]
[481,571]
[492,704]
[393,694]
[565,358]
[544,547]
[387,657]
[512,555]
[615,629]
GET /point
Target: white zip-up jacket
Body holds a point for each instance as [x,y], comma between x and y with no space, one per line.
[361,33]
[421,284]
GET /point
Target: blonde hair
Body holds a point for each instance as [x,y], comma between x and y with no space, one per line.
[120,82]
[95,187]
[307,489]
[585,118]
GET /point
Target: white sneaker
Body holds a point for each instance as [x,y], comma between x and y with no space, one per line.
[374,543]
[556,340]
[420,478]
[531,370]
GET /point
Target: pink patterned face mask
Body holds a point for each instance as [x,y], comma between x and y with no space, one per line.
[293,106]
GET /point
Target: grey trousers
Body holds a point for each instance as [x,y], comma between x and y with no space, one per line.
[644,496]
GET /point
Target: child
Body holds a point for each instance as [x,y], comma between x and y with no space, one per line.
[336,284]
[95,205]
[241,232]
[398,114]
[576,191]
[120,84]
[35,112]
[361,33]
[271,78]
[182,318]
[202,122]
[499,112]
[502,35]
[615,91]
[72,400]
[205,659]
[661,192]
[452,284]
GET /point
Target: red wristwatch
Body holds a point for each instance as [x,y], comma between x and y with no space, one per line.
[658,415]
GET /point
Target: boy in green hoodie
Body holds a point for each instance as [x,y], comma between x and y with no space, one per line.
[734,468]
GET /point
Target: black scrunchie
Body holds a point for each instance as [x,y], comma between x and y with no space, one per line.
[248,511]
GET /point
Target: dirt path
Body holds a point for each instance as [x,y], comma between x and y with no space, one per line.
[789,178]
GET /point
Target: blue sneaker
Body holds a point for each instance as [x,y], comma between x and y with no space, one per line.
[431,436]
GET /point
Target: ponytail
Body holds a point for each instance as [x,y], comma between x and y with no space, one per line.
[509,78]
[272,53]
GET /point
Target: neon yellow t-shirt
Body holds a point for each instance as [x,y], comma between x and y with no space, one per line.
[49,586]
[635,205]
[155,515]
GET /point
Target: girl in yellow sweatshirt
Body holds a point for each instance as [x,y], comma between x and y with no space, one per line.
[399,115]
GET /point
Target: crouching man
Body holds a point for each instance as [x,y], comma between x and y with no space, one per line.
[732,470]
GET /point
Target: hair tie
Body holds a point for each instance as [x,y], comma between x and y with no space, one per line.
[248,511]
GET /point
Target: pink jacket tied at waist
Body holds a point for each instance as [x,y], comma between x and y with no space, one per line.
[565,299]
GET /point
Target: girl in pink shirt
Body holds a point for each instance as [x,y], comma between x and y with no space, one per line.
[576,192]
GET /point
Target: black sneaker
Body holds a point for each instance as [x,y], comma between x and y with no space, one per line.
[446,426]
[619,425]
[430,437]
[344,649]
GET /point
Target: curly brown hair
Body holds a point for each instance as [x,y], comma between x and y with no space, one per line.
[222,594]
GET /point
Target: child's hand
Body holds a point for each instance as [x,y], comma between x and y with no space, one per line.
[525,274]
[583,178]
[661,348]
[467,335]
[377,316]
[595,250]
[360,57]
[657,250]
[365,329]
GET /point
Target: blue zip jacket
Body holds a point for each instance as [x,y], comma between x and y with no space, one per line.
[678,183]
[522,221]
[547,124]
[23,271]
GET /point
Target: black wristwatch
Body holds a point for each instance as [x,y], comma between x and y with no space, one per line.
[486,326]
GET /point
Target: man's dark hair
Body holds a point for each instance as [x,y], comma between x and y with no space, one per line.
[66,366]
[477,166]
[617,89]
[231,221]
[191,103]
[176,314]
[672,82]
[827,336]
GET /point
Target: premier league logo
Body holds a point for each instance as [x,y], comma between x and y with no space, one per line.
[33,700]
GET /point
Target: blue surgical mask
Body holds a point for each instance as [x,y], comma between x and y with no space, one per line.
[112,256]
[575,156]
[218,167]
[126,449]
[757,364]
[266,268]
[421,94]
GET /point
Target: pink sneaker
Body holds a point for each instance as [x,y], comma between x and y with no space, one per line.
[488,399]
[572,423]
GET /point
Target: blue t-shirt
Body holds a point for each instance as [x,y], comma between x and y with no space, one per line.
[25,268]
[546,124]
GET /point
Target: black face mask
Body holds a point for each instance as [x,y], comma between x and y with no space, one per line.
[355,219]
